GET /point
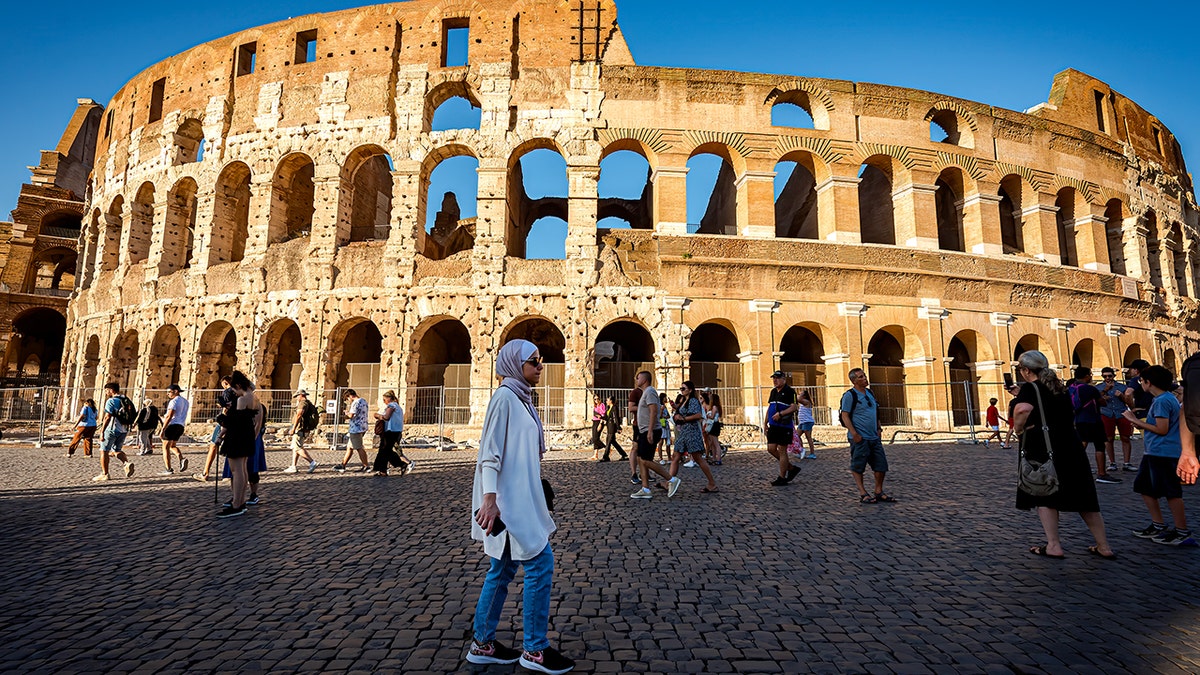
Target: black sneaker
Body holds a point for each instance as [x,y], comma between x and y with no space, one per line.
[230,512]
[1173,537]
[793,471]
[227,505]
[492,653]
[253,501]
[547,660]
[1107,479]
[779,482]
[635,480]
[604,459]
[1150,532]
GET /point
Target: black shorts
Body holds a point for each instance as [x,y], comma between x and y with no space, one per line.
[1156,478]
[1092,433]
[646,444]
[779,436]
[173,432]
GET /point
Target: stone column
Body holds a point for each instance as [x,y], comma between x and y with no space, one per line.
[1062,346]
[1114,333]
[764,341]
[259,216]
[670,194]
[322,240]
[981,221]
[837,207]
[157,241]
[916,213]
[1134,231]
[1041,229]
[407,233]
[855,341]
[1091,242]
[936,400]
[756,204]
[1003,324]
[487,258]
[582,208]
[202,237]
[673,339]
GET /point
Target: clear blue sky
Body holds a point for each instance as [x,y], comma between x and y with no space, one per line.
[1001,54]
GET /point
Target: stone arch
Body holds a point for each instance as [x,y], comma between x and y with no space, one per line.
[525,210]
[65,223]
[622,349]
[141,223]
[1178,252]
[625,189]
[1169,361]
[91,366]
[216,355]
[111,258]
[1089,354]
[123,362]
[717,163]
[38,337]
[231,215]
[1034,342]
[814,106]
[178,236]
[165,359]
[957,125]
[1065,202]
[964,350]
[951,191]
[450,230]
[1133,352]
[365,196]
[447,93]
[542,332]
[293,195]
[1153,249]
[440,351]
[715,361]
[1014,192]
[797,208]
[878,176]
[280,362]
[51,271]
[353,355]
[189,142]
[1115,214]
[889,349]
[802,348]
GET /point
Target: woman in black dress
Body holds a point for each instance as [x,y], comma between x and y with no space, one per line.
[612,424]
[242,423]
[1076,491]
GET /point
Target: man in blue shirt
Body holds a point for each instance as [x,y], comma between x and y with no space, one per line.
[859,413]
[113,431]
[1157,478]
[1111,416]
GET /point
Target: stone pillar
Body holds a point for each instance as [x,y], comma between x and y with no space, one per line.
[981,221]
[202,238]
[407,233]
[1091,242]
[936,400]
[1134,231]
[1041,229]
[756,204]
[259,216]
[765,342]
[916,213]
[670,195]
[1003,324]
[1062,346]
[855,341]
[491,225]
[991,385]
[157,241]
[582,209]
[1114,333]
[754,398]
[673,341]
[837,207]
[322,240]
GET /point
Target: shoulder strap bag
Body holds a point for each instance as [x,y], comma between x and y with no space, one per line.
[1038,479]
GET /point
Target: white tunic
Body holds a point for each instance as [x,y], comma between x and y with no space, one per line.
[510,465]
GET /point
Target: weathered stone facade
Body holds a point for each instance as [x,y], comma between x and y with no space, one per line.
[1071,227]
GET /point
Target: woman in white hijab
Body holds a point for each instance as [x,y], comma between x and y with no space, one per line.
[511,516]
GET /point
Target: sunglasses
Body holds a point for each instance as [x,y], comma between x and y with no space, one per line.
[535,361]
[684,390]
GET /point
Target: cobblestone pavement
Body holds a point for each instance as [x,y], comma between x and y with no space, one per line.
[349,573]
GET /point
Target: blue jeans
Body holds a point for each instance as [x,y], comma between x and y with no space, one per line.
[539,574]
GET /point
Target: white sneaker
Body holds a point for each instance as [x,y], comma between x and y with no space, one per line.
[129,469]
[168,472]
[290,469]
[663,462]
[673,486]
[312,466]
[100,478]
[644,493]
[690,464]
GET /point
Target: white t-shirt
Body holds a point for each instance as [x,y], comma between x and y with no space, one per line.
[180,405]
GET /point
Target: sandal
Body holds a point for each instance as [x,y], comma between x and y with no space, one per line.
[1095,550]
[706,491]
[868,499]
[1041,550]
[884,497]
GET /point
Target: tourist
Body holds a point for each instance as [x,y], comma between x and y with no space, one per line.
[242,422]
[1087,400]
[778,425]
[1136,397]
[1013,390]
[992,419]
[303,424]
[114,425]
[176,417]
[612,426]
[225,401]
[805,423]
[356,416]
[1189,376]
[711,402]
[85,429]
[859,413]
[664,422]
[1158,476]
[147,424]
[649,433]
[393,426]
[631,405]
[511,516]
[1113,418]
[1044,400]
[689,439]
[598,410]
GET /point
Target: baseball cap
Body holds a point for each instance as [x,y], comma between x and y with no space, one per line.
[300,393]
[778,373]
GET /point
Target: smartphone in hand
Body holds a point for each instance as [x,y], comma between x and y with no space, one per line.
[497,525]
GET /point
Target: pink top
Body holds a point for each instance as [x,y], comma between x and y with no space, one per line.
[598,412]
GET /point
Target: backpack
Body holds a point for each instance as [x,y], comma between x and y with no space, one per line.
[310,419]
[1077,398]
[126,414]
[853,406]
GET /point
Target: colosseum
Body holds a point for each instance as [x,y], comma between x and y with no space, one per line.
[263,201]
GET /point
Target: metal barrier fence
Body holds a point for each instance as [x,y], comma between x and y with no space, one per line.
[956,406]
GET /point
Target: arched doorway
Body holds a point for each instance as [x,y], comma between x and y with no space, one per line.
[163,369]
[353,358]
[550,395]
[35,349]
[216,357]
[122,367]
[91,367]
[885,370]
[963,352]
[1132,353]
[443,374]
[280,369]
[1168,361]
[622,350]
[715,363]
[802,349]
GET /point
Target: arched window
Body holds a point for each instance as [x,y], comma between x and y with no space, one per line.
[1012,222]
[1065,221]
[292,194]
[1178,259]
[1115,214]
[876,210]
[365,197]
[949,201]
[112,235]
[711,191]
[448,202]
[456,112]
[945,126]
[797,109]
[1154,249]
[231,215]
[189,142]
[179,233]
[537,204]
[141,224]
[625,191]
[791,115]
[796,207]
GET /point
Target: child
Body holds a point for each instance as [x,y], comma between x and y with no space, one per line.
[993,424]
[1156,479]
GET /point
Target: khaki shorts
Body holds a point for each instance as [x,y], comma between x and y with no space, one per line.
[355,441]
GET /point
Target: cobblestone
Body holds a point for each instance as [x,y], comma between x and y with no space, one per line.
[351,573]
